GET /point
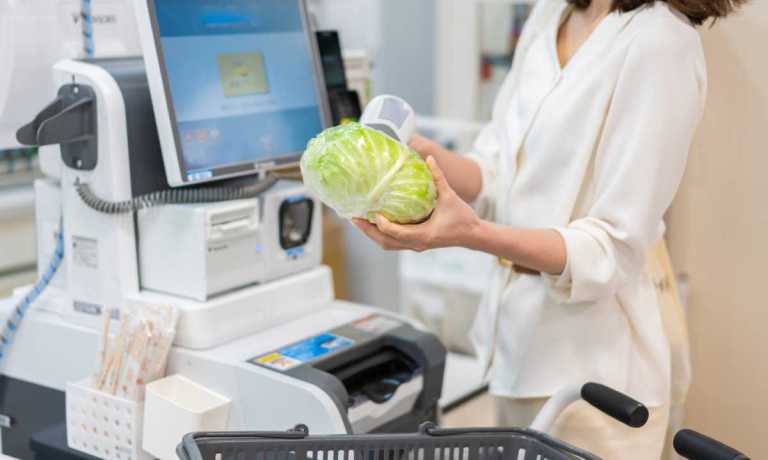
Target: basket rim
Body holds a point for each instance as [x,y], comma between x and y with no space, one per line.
[427,435]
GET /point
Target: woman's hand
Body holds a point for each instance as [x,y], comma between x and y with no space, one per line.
[462,174]
[425,147]
[452,223]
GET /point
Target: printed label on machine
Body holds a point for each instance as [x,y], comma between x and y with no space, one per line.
[87,308]
[85,252]
[376,324]
[277,361]
[303,352]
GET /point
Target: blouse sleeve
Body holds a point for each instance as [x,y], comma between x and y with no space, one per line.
[639,164]
[486,154]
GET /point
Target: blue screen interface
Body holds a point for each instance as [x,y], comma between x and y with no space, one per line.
[241,79]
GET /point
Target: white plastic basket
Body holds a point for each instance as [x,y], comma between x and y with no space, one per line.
[103,425]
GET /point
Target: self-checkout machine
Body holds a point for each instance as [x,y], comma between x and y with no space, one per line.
[159,172]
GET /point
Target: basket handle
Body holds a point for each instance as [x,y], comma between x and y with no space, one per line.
[189,449]
[616,404]
[696,446]
[609,401]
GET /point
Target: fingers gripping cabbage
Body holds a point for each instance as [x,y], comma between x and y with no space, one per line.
[361,172]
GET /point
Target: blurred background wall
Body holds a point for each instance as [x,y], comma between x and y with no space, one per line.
[718,231]
[399,36]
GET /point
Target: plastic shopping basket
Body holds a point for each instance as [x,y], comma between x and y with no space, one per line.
[430,443]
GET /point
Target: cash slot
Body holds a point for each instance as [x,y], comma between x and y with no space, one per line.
[377,376]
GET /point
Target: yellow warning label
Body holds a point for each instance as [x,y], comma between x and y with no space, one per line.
[278,361]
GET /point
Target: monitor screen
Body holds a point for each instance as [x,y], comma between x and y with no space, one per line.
[241,82]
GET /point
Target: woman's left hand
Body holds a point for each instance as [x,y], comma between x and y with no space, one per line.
[452,223]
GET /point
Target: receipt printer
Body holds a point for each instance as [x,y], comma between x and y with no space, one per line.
[220,247]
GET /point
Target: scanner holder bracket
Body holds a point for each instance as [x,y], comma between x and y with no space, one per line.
[70,120]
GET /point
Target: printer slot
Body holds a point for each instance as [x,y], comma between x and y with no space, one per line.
[376,376]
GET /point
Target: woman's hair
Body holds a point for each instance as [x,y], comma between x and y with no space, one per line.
[698,11]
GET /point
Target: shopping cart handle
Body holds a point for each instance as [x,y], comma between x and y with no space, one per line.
[616,404]
[696,446]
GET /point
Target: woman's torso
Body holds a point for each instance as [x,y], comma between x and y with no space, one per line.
[550,121]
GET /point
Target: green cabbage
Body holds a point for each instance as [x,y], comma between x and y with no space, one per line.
[361,172]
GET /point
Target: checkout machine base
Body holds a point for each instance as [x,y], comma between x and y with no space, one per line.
[346,368]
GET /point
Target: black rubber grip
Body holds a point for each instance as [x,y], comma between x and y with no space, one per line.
[617,405]
[696,446]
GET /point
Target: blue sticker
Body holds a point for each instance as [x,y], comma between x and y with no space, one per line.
[199,175]
[296,198]
[295,252]
[316,347]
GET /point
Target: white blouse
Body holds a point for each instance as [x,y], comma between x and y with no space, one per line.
[595,151]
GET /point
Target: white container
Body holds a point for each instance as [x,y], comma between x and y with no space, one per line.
[175,406]
[357,66]
[103,425]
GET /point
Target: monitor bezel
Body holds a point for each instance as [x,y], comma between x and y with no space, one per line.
[165,116]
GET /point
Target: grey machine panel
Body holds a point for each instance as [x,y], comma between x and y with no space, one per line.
[146,158]
[368,367]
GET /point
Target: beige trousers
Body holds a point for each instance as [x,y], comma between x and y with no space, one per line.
[584,426]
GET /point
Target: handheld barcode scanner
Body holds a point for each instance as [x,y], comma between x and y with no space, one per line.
[392,116]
